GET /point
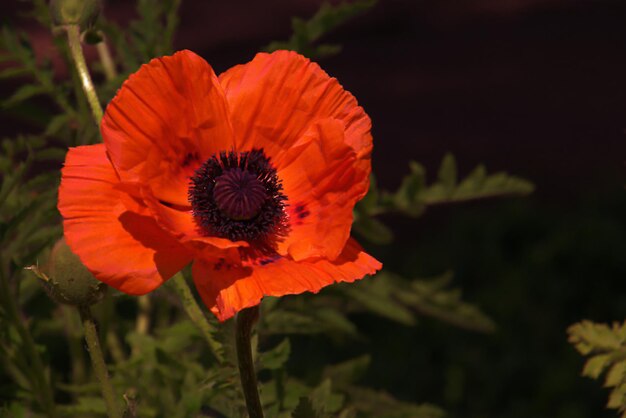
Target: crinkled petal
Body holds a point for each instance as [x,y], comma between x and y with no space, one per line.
[323,182]
[124,249]
[166,119]
[228,287]
[275,98]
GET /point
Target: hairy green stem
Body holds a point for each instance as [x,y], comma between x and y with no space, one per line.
[196,315]
[245,321]
[97,361]
[73,40]
[71,325]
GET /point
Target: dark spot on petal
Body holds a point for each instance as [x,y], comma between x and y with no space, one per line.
[268,259]
[299,207]
[220,263]
[190,157]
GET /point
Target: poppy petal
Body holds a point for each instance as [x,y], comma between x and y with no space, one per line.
[124,249]
[275,98]
[166,119]
[228,288]
[180,223]
[323,182]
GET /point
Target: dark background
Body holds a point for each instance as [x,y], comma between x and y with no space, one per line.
[533,87]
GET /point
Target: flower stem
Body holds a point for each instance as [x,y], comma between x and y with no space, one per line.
[245,321]
[97,361]
[74,341]
[73,40]
[107,61]
[194,312]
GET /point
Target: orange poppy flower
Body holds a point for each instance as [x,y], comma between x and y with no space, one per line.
[253,176]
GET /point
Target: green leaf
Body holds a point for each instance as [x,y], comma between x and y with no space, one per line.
[372,403]
[276,358]
[606,348]
[373,230]
[51,154]
[435,299]
[370,202]
[23,93]
[377,295]
[596,365]
[12,72]
[616,375]
[13,410]
[589,337]
[86,406]
[447,173]
[305,409]
[56,124]
[321,320]
[348,372]
[327,18]
[325,400]
[408,198]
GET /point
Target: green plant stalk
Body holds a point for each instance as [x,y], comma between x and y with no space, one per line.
[245,321]
[73,40]
[194,312]
[97,361]
[142,322]
[41,386]
[108,65]
[74,343]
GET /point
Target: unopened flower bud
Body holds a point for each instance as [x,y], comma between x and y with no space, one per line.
[67,280]
[75,12]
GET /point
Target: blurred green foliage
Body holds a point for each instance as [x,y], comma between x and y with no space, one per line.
[166,369]
[306,33]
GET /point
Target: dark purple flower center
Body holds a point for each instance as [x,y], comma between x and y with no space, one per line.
[238,196]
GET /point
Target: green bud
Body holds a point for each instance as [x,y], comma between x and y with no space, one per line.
[75,12]
[67,280]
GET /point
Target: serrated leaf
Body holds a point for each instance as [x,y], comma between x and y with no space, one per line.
[447,173]
[616,374]
[407,198]
[333,320]
[617,398]
[606,347]
[307,32]
[596,365]
[377,296]
[588,336]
